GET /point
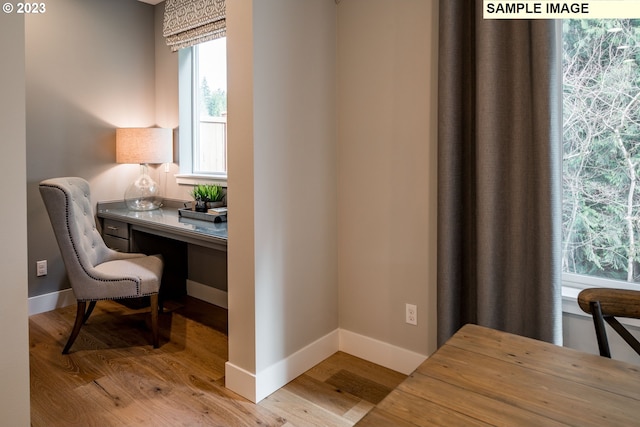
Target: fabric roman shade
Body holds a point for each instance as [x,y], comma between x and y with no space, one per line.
[189,22]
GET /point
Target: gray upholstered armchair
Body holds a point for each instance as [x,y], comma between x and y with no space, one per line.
[95,271]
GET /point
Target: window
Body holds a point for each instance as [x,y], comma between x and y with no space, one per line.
[203,112]
[601,158]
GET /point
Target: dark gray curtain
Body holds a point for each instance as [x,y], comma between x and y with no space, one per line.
[499,173]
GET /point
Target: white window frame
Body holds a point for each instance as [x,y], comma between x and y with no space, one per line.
[189,122]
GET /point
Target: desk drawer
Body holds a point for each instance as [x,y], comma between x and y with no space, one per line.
[117,243]
[116,228]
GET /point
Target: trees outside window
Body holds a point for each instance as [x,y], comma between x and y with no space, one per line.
[210,120]
[601,143]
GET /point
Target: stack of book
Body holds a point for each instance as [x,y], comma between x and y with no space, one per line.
[219,213]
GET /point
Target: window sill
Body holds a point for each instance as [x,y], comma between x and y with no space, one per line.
[194,179]
[570,301]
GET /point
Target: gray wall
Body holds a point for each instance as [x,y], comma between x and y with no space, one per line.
[166,92]
[294,171]
[90,68]
[579,334]
[386,150]
[282,181]
[14,368]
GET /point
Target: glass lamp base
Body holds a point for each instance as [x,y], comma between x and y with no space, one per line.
[143,194]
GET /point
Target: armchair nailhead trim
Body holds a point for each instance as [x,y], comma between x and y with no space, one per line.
[75,249]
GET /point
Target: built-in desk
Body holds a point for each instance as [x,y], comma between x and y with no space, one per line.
[165,222]
[194,250]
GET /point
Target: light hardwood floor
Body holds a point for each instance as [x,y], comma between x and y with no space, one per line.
[113,377]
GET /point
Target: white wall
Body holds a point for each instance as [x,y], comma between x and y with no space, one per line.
[387,71]
[282,180]
[14,356]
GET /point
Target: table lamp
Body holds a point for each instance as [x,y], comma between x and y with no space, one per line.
[144,146]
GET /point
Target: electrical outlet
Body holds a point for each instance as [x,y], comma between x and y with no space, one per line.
[411,311]
[41,268]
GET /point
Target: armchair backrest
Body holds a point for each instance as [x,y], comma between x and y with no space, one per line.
[68,203]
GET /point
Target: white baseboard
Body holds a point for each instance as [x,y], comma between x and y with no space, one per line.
[240,381]
[280,373]
[256,387]
[207,293]
[379,352]
[51,301]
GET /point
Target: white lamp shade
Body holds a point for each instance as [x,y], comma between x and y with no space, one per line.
[144,145]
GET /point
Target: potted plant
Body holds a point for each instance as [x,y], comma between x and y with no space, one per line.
[214,196]
[200,202]
[207,196]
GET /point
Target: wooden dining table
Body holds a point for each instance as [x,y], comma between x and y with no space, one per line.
[483,377]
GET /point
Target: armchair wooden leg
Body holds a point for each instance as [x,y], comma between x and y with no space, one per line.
[92,305]
[154,319]
[80,319]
